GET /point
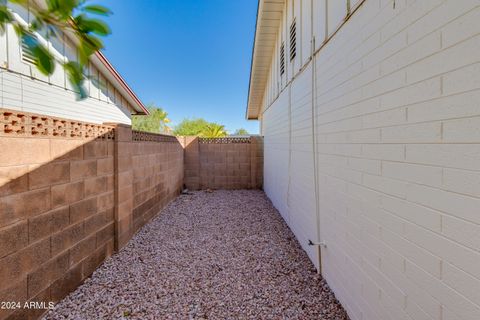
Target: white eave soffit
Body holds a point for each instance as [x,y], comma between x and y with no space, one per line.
[269,16]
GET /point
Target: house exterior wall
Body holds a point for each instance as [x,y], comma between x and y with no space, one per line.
[397,151]
[24,88]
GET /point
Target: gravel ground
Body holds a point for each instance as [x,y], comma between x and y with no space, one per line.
[219,255]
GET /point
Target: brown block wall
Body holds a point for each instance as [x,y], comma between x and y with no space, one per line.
[123,186]
[192,163]
[256,158]
[157,175]
[223,163]
[71,193]
[148,175]
[56,206]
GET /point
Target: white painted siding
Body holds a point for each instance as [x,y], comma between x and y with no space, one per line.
[301,196]
[397,93]
[276,153]
[25,88]
[23,93]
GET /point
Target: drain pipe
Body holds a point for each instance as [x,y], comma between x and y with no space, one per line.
[319,244]
[289,86]
[289,149]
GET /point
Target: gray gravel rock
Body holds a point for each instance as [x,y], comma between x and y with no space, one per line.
[219,255]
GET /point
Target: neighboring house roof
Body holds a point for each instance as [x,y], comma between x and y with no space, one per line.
[269,16]
[102,63]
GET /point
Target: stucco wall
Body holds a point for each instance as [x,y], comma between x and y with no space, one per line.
[396,108]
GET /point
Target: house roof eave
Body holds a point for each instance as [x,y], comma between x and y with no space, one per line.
[269,16]
[114,76]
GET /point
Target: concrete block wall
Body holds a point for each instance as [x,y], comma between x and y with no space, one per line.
[397,111]
[70,194]
[149,171]
[192,163]
[256,159]
[56,206]
[123,186]
[223,163]
[398,114]
[157,177]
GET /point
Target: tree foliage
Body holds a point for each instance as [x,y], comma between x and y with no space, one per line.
[156,122]
[75,17]
[199,127]
[241,132]
[190,127]
[214,130]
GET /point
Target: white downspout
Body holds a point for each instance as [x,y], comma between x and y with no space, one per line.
[289,150]
[319,243]
[289,85]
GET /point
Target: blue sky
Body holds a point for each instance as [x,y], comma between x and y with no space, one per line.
[190,57]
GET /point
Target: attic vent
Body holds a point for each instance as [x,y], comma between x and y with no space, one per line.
[27,53]
[293,39]
[282,59]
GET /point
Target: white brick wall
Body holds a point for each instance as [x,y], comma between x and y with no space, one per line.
[397,106]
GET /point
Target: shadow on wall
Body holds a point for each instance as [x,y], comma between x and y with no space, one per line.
[71,193]
[66,197]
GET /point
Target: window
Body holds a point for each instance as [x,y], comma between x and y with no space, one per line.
[293,40]
[282,59]
[27,53]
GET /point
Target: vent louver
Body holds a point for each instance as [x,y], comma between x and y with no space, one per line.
[27,53]
[282,59]
[293,40]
